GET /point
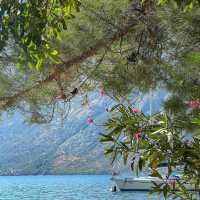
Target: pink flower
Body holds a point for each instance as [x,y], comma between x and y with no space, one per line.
[193,104]
[102,92]
[137,136]
[135,110]
[90,120]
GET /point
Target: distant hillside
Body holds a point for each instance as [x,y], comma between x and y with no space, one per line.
[58,148]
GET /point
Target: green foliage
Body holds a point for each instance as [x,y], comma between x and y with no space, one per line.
[32,25]
[192,58]
[162,139]
[185,5]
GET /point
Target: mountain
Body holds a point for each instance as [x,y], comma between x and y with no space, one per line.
[60,147]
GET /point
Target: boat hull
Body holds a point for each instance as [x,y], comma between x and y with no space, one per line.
[142,184]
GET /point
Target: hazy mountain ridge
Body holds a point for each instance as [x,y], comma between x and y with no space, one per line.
[72,147]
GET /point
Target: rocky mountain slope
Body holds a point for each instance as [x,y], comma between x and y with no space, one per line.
[57,148]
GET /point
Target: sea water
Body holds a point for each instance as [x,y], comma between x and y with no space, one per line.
[71,187]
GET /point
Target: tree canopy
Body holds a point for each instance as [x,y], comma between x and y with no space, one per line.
[32,25]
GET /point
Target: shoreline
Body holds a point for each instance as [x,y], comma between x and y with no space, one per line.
[72,174]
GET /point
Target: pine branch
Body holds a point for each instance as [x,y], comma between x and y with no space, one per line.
[9,101]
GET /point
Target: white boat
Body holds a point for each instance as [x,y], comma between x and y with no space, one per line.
[144,183]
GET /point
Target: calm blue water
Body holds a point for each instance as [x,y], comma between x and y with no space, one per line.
[84,187]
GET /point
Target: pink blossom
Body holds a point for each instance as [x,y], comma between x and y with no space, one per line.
[102,92]
[90,120]
[135,110]
[194,104]
[137,136]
